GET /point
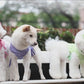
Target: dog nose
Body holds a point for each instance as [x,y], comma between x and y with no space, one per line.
[35,43]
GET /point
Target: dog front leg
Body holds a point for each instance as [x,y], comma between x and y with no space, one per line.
[74,71]
[82,69]
[14,74]
[27,71]
[54,70]
[63,69]
[39,66]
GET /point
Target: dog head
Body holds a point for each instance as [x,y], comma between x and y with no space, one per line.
[2,31]
[79,41]
[30,34]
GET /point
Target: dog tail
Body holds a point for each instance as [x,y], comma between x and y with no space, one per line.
[57,38]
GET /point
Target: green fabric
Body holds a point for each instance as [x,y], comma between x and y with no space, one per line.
[69,56]
[81,56]
[72,48]
[83,35]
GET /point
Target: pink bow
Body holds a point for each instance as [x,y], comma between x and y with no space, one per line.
[2,44]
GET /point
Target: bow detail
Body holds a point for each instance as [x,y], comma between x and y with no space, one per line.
[2,44]
[32,50]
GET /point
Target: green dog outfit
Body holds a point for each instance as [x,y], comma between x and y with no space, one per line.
[72,48]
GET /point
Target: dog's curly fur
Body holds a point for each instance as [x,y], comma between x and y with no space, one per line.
[58,52]
[3,59]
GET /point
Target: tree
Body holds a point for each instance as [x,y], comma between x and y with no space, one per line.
[29,18]
[6,13]
[53,9]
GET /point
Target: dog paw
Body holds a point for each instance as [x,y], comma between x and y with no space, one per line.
[2,78]
[11,79]
[82,74]
[58,76]
[43,78]
[7,79]
[55,75]
[25,78]
[75,75]
[64,76]
[16,78]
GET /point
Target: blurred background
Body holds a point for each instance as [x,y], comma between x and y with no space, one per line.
[43,13]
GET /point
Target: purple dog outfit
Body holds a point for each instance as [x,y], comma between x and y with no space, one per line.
[21,53]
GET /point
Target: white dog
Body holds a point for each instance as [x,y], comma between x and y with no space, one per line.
[2,55]
[77,57]
[58,55]
[7,41]
[23,37]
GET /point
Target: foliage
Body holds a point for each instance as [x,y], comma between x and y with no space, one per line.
[51,15]
[6,14]
[67,36]
[48,20]
[58,19]
[29,18]
[42,36]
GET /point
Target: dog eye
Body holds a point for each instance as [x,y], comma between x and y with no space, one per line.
[31,35]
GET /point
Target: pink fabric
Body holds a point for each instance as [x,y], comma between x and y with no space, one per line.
[2,44]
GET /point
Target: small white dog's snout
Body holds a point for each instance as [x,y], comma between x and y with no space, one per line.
[35,43]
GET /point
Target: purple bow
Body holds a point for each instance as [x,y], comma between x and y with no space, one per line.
[32,50]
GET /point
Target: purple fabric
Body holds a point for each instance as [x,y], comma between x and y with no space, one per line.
[10,62]
[21,53]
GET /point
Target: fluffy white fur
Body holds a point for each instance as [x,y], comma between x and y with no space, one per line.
[58,52]
[60,49]
[21,39]
[43,56]
[2,57]
[75,62]
[2,31]
[7,41]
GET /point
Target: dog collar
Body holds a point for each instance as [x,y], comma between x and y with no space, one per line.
[21,53]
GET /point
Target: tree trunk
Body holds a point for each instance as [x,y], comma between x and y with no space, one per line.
[51,18]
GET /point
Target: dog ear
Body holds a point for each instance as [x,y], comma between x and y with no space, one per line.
[27,28]
[38,30]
